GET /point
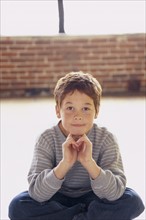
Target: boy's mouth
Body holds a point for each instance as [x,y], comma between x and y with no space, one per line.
[78,125]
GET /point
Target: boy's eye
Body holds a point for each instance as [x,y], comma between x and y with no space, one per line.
[70,108]
[86,109]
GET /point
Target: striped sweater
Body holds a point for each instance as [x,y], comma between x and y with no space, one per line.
[43,183]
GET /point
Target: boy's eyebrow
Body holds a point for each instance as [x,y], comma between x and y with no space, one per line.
[87,103]
[68,103]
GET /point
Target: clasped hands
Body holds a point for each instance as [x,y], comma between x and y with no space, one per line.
[77,148]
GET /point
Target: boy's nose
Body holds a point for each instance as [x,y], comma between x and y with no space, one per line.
[77,117]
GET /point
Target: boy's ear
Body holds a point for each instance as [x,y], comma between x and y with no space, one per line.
[57,111]
[96,114]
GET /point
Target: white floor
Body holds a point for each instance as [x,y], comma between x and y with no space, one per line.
[23,120]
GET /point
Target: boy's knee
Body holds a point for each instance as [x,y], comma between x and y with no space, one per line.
[134,200]
[15,206]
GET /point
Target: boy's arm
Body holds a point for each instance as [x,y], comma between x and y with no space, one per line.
[109,185]
[93,169]
[43,183]
[69,157]
[111,182]
[84,149]
[44,178]
[61,169]
[107,175]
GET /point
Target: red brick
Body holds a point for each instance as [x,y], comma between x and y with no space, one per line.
[34,62]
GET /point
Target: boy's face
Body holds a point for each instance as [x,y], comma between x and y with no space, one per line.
[77,113]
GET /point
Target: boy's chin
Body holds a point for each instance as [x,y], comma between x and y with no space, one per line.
[77,133]
[76,137]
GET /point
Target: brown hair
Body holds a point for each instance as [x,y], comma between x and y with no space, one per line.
[83,82]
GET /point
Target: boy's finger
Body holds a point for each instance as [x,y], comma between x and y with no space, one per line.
[74,146]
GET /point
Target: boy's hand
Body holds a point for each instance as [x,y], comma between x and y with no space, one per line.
[69,148]
[77,150]
[84,149]
[69,157]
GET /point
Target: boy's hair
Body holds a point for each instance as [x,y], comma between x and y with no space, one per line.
[83,82]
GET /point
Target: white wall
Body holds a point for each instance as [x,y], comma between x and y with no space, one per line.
[23,120]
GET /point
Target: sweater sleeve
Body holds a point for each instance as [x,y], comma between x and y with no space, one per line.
[43,183]
[111,182]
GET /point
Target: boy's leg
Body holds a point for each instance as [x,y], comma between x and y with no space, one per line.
[24,207]
[128,207]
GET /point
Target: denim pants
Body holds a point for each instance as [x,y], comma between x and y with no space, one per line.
[86,207]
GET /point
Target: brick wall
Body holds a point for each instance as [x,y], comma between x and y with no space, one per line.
[32,65]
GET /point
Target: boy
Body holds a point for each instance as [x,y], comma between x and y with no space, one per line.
[77,171]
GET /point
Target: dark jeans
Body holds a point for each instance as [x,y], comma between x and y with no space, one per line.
[87,207]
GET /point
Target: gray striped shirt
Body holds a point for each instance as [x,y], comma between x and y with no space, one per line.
[43,183]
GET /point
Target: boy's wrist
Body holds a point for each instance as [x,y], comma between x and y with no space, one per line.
[92,168]
[61,169]
[87,163]
[66,164]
